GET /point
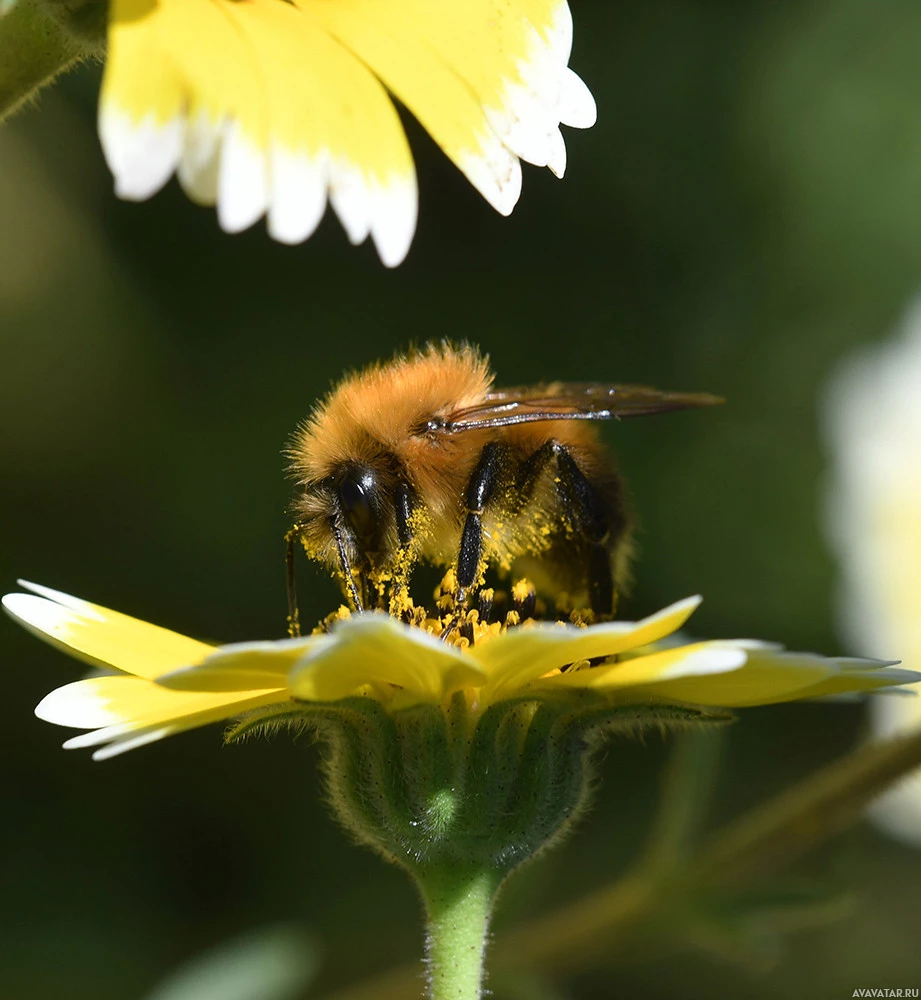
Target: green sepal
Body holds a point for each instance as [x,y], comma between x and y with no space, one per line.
[442,788]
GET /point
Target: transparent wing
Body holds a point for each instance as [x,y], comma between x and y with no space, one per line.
[566,401]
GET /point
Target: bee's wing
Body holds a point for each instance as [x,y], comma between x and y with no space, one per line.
[567,401]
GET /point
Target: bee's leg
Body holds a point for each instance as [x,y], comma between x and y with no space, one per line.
[585,510]
[294,617]
[584,504]
[346,567]
[480,489]
[405,502]
[530,470]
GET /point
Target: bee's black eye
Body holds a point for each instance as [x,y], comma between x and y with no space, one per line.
[358,499]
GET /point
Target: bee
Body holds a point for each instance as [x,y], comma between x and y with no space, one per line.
[422,459]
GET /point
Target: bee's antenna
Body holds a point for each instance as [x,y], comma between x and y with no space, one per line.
[294,618]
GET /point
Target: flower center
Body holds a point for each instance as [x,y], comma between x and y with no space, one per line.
[495,612]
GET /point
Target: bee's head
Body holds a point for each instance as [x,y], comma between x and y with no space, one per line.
[364,499]
[353,508]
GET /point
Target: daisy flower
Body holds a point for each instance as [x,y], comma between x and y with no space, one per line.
[873,420]
[456,751]
[272,108]
[165,683]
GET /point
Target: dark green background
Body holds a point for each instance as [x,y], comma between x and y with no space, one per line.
[747,209]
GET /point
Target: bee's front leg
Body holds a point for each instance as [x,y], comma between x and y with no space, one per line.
[405,504]
[292,537]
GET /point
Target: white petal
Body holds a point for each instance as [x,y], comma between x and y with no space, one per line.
[41,617]
[556,157]
[200,161]
[395,209]
[242,184]
[124,745]
[298,195]
[710,660]
[96,737]
[141,155]
[351,199]
[52,623]
[496,173]
[559,36]
[77,705]
[59,597]
[577,106]
[528,136]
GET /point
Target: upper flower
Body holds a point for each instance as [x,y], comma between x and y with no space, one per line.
[167,683]
[269,107]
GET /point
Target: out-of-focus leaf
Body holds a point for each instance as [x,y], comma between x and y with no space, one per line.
[747,927]
[807,814]
[688,784]
[527,986]
[275,963]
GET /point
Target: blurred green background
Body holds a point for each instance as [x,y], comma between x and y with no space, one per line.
[747,210]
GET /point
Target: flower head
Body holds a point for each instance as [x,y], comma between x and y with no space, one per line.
[166,683]
[874,429]
[273,107]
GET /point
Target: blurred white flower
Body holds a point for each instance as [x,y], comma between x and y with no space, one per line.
[873,424]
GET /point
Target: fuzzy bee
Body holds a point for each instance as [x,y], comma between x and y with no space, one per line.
[421,459]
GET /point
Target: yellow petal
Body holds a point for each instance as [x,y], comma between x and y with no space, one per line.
[245,666]
[681,663]
[861,676]
[523,655]
[764,679]
[480,77]
[374,649]
[724,673]
[101,636]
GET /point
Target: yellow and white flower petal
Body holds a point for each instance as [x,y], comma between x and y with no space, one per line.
[873,676]
[274,116]
[374,649]
[359,139]
[762,677]
[483,79]
[636,674]
[523,655]
[101,636]
[244,666]
[117,708]
[181,684]
[733,674]
[141,123]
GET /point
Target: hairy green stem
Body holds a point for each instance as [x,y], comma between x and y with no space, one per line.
[755,845]
[458,908]
[34,49]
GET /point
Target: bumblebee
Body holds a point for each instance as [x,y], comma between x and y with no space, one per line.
[422,459]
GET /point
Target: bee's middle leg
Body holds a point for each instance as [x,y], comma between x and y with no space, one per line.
[584,509]
[480,490]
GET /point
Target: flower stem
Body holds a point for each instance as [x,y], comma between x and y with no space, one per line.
[458,907]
